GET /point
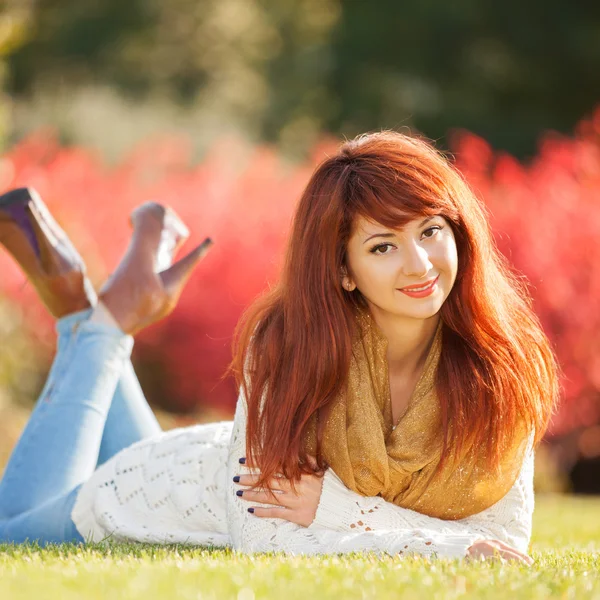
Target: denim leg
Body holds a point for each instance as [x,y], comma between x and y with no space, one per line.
[48,523]
[58,450]
[130,418]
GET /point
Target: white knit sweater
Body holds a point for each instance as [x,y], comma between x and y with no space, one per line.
[178,487]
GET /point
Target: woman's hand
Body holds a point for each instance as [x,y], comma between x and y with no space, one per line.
[299,508]
[497,549]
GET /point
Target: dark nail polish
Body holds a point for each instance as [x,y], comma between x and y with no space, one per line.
[243,461]
[236,478]
[250,510]
[240,492]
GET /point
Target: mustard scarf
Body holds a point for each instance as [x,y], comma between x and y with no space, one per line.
[373,458]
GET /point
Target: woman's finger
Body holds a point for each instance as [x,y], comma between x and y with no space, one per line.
[277,483]
[312,461]
[509,554]
[525,557]
[495,549]
[277,512]
[247,479]
[513,556]
[264,497]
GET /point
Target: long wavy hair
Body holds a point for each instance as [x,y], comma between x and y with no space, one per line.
[292,346]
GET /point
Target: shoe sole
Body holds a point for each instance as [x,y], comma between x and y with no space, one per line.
[18,202]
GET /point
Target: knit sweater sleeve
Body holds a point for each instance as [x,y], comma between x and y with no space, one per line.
[413,534]
[508,520]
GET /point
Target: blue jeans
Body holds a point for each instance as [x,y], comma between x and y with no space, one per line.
[91,407]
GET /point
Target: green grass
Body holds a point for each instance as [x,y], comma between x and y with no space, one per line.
[565,547]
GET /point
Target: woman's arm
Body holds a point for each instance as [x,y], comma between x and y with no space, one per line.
[508,520]
[249,533]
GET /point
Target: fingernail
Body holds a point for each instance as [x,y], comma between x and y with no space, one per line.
[236,478]
[243,461]
[250,510]
[240,492]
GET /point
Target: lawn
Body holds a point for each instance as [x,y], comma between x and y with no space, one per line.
[565,547]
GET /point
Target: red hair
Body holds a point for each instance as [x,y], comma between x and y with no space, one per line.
[496,370]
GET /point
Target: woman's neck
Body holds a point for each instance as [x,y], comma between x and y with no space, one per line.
[408,340]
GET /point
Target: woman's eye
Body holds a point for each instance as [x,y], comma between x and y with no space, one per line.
[434,228]
[375,249]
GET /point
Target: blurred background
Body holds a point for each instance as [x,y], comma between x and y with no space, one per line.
[222,108]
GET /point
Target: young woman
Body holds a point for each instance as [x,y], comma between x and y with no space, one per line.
[393,385]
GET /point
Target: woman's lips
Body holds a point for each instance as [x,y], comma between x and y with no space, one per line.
[410,291]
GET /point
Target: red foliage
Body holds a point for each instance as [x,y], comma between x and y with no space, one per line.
[545,214]
[546,217]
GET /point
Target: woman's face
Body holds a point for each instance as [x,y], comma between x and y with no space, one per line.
[383,262]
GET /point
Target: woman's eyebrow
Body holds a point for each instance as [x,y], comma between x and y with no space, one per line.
[390,235]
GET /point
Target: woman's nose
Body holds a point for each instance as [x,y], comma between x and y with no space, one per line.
[416,262]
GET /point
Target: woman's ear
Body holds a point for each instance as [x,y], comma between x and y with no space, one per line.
[347,282]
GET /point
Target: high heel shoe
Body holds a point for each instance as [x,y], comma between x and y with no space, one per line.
[145,286]
[44,252]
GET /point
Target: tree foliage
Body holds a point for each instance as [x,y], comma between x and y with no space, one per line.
[285,70]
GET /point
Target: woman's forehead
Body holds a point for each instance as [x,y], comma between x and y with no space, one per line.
[366,226]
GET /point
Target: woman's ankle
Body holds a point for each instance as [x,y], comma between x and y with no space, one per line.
[101,314]
[71,321]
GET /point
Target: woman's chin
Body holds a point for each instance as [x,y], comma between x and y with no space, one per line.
[411,308]
[422,310]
